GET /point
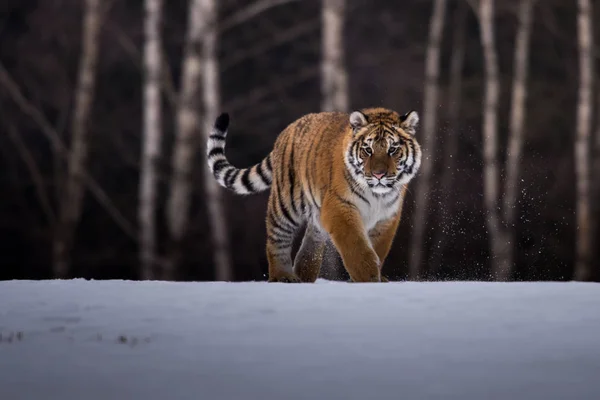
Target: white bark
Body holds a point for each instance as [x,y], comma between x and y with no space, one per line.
[446,208]
[583,140]
[72,200]
[595,192]
[212,102]
[187,131]
[428,139]
[491,173]
[334,77]
[515,139]
[151,139]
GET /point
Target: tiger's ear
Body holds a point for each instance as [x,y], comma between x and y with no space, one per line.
[409,122]
[357,120]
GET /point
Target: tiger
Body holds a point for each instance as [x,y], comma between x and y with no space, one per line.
[343,176]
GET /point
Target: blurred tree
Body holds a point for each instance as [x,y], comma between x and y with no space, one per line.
[516,135]
[188,125]
[446,204]
[501,205]
[152,137]
[427,137]
[334,77]
[212,103]
[491,172]
[583,268]
[71,202]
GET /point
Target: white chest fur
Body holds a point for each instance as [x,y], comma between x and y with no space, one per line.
[378,209]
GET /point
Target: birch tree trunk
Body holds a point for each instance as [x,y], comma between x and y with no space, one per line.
[187,133]
[72,199]
[151,139]
[428,140]
[515,139]
[446,208]
[212,102]
[583,141]
[334,77]
[595,181]
[491,173]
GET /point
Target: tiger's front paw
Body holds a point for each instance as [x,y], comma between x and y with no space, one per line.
[284,277]
[367,269]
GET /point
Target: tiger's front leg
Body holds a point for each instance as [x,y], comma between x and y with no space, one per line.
[382,236]
[342,220]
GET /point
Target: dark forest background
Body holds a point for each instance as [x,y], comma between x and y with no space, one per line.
[269,75]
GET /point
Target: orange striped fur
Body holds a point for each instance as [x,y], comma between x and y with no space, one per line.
[343,175]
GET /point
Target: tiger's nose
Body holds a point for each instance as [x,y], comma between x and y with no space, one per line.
[379,174]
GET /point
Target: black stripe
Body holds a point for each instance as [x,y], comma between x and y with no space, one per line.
[312,196]
[356,149]
[262,175]
[269,166]
[391,202]
[277,225]
[350,182]
[234,176]
[309,176]
[284,210]
[216,151]
[246,180]
[219,165]
[282,163]
[344,201]
[281,182]
[291,178]
[302,205]
[228,176]
[217,136]
[276,239]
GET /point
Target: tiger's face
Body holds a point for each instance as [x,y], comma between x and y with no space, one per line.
[384,154]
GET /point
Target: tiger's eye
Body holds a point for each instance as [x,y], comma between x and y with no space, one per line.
[393,150]
[367,151]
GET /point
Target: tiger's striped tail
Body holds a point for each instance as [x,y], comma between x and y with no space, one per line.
[242,181]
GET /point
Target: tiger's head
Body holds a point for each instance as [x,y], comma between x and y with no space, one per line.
[383,152]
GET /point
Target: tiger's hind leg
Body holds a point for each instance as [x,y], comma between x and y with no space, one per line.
[332,267]
[310,255]
[281,229]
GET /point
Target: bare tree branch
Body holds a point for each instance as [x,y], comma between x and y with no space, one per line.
[277,84]
[54,138]
[134,53]
[250,12]
[34,172]
[264,46]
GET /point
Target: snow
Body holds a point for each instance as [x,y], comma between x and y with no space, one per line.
[164,340]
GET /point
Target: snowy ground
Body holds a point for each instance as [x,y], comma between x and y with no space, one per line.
[154,340]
